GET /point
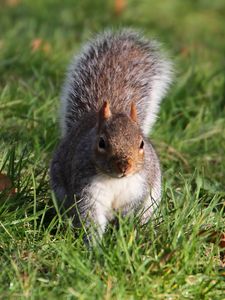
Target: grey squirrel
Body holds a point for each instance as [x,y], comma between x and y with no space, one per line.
[105,162]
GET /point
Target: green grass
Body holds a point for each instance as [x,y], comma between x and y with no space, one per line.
[168,259]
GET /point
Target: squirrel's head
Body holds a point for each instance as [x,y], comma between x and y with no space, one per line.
[119,145]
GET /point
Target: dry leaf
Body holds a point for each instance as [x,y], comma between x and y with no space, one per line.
[119,6]
[6,184]
[109,288]
[222,240]
[13,3]
[36,44]
[222,246]
[40,45]
[185,51]
[46,47]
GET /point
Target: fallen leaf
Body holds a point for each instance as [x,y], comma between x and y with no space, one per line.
[40,45]
[6,184]
[222,246]
[36,44]
[108,290]
[47,47]
[222,240]
[119,6]
[185,51]
[13,3]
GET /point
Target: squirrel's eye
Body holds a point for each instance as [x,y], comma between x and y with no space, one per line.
[101,143]
[142,144]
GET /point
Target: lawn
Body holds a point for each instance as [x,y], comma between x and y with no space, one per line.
[178,255]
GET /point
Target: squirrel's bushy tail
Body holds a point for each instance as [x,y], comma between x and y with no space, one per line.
[119,67]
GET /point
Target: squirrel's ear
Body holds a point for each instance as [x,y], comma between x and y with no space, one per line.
[105,112]
[133,112]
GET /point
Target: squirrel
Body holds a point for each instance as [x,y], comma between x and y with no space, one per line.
[105,162]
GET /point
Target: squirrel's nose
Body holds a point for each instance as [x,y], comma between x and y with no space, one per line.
[123,166]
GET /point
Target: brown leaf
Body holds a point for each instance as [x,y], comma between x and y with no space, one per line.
[222,240]
[185,51]
[119,6]
[222,246]
[6,184]
[46,48]
[40,45]
[108,290]
[13,3]
[36,44]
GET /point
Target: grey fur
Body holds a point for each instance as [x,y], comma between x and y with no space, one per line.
[110,68]
[119,68]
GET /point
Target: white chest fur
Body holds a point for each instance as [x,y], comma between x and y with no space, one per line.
[110,194]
